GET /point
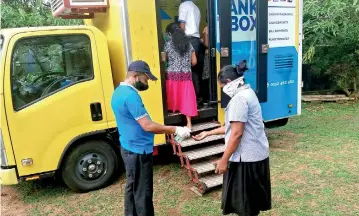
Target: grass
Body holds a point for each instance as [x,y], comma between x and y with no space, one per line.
[314,169]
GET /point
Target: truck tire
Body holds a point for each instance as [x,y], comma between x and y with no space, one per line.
[90,166]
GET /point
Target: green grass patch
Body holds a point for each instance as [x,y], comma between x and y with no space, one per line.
[314,169]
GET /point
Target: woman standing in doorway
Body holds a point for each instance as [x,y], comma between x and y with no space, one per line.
[181,56]
[245,163]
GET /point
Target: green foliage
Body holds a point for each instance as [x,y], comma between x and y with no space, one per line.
[29,13]
[331,42]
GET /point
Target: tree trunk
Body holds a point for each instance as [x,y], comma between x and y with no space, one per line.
[355,84]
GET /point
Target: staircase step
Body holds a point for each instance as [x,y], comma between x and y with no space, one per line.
[191,142]
[211,181]
[204,126]
[205,152]
[204,167]
[203,109]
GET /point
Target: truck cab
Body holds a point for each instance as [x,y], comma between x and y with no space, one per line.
[55,96]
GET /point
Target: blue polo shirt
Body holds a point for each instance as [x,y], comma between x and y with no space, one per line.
[127,106]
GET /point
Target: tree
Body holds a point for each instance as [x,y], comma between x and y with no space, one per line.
[331,43]
[29,13]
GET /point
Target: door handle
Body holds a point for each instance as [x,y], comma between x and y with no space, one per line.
[213,52]
[96,111]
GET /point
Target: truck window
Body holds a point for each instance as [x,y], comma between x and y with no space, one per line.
[42,66]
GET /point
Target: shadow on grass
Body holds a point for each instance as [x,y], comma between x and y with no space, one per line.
[40,190]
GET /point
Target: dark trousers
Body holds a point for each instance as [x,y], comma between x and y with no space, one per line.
[139,183]
[197,69]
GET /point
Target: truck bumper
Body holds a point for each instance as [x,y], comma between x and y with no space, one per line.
[8,176]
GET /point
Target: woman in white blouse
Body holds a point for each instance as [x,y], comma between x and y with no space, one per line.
[245,162]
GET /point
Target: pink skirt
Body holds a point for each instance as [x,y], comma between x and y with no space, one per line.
[181,95]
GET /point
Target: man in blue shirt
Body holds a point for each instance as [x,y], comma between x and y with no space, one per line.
[137,131]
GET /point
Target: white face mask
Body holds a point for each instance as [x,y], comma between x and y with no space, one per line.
[231,88]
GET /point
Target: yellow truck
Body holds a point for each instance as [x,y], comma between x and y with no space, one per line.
[56,83]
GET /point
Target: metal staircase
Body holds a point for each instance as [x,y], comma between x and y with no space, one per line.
[198,157]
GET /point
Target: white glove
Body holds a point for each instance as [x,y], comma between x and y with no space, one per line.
[183,132]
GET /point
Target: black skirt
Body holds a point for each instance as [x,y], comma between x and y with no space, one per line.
[246,188]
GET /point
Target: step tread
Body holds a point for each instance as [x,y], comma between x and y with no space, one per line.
[205,152]
[191,142]
[204,126]
[198,110]
[204,167]
[212,181]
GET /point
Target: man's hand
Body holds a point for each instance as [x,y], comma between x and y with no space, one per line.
[183,132]
[221,166]
[201,136]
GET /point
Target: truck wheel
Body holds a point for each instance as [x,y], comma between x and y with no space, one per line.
[90,166]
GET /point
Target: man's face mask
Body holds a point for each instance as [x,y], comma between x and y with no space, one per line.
[140,86]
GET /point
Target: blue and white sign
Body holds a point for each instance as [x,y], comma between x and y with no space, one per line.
[281,23]
[244,37]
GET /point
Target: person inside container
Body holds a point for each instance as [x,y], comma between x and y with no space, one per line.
[246,186]
[180,55]
[189,18]
[137,131]
[206,62]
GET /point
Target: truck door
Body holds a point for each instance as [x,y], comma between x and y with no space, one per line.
[242,34]
[53,93]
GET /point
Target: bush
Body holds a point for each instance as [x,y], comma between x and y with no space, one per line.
[331,31]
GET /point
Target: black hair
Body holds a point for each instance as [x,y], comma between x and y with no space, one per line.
[180,41]
[232,73]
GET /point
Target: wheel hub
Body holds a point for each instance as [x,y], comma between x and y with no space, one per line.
[91,166]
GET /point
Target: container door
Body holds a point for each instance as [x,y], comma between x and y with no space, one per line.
[242,34]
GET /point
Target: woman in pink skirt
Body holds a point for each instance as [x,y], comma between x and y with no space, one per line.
[179,86]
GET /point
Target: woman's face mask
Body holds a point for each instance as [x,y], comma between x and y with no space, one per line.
[228,90]
[168,37]
[231,88]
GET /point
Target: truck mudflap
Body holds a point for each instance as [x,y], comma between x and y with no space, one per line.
[8,176]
